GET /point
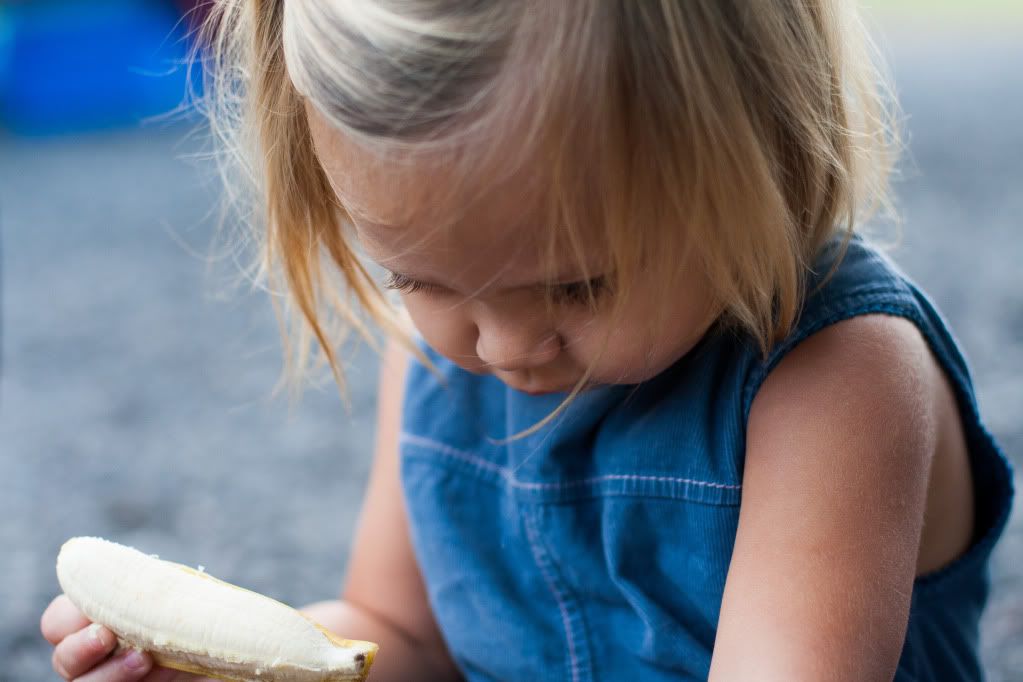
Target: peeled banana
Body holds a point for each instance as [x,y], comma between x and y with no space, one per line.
[193,622]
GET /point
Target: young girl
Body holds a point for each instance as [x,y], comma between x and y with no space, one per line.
[664,415]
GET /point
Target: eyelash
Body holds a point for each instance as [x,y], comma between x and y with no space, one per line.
[569,293]
[579,293]
[405,285]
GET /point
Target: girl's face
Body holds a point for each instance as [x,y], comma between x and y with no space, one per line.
[471,272]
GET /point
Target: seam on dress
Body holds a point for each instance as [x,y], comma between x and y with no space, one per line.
[507,474]
[544,564]
[445,449]
[623,477]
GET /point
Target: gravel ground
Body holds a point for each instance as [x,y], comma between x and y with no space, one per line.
[135,397]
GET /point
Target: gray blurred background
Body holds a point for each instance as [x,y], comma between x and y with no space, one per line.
[135,387]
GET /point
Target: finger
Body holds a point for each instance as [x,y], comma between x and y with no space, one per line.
[82,650]
[60,619]
[126,666]
[159,674]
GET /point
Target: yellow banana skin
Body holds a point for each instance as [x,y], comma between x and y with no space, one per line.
[193,622]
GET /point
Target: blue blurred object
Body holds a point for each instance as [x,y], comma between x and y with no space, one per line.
[75,65]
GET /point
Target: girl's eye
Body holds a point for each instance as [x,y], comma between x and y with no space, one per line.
[580,293]
[404,284]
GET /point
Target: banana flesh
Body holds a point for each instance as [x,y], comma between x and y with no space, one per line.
[191,621]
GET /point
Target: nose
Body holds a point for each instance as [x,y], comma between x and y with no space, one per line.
[514,346]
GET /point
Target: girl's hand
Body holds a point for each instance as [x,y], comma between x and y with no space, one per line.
[82,650]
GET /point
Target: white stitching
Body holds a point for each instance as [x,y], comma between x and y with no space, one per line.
[514,482]
[542,564]
[452,452]
[621,477]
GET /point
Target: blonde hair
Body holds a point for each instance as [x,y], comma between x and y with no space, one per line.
[744,135]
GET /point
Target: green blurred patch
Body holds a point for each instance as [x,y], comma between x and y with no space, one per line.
[978,9]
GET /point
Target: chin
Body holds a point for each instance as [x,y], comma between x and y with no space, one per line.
[530,389]
[536,387]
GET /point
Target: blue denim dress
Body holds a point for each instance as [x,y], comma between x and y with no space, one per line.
[597,548]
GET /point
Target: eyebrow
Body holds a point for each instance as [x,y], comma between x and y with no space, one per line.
[556,282]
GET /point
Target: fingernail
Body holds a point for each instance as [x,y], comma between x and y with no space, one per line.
[94,631]
[135,661]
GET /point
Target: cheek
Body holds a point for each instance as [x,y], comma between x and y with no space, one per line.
[446,328]
[616,350]
[617,355]
[635,347]
[629,350]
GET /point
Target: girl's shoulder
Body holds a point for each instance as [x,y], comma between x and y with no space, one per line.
[852,279]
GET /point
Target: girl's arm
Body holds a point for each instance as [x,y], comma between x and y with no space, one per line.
[384,599]
[840,441]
